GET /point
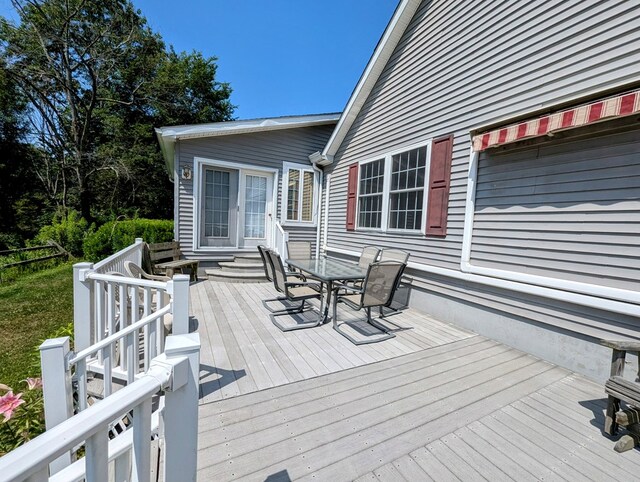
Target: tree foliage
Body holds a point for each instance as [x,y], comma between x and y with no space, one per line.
[97,80]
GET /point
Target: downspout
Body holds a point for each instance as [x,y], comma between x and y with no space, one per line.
[469,212]
[325,228]
[319,206]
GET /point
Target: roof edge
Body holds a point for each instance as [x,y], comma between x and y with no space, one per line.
[167,136]
[393,33]
[246,125]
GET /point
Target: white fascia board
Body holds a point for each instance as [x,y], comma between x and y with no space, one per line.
[387,44]
[244,126]
[167,147]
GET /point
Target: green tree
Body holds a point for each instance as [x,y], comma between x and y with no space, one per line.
[15,169]
[183,90]
[97,80]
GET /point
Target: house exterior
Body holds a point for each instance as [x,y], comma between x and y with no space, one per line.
[236,181]
[498,143]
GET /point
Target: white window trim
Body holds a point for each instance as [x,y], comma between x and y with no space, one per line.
[200,163]
[286,167]
[386,190]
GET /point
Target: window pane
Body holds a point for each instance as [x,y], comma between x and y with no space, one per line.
[307,196]
[292,194]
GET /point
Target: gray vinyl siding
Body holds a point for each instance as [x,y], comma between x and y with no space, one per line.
[562,210]
[262,149]
[461,65]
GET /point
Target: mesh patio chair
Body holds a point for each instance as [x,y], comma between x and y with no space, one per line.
[377,290]
[391,254]
[293,291]
[268,272]
[394,255]
[368,255]
[299,250]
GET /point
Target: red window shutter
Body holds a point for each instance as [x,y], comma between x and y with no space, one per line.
[352,197]
[439,181]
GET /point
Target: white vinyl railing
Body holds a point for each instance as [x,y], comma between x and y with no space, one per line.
[176,373]
[115,262]
[120,327]
[280,241]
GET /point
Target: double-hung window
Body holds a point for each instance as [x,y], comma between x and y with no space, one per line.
[391,191]
[299,186]
[406,193]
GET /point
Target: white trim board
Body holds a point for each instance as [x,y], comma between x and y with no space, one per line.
[631,308]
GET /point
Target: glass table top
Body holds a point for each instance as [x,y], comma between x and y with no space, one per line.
[329,269]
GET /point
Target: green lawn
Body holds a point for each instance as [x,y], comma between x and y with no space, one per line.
[32,309]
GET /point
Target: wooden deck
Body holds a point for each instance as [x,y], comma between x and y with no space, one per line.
[435,403]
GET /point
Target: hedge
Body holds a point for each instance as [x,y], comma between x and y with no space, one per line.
[116,235]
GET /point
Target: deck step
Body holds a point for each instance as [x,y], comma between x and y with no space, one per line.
[221,274]
[248,258]
[233,265]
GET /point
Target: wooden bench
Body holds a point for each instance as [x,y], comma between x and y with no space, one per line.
[619,390]
[160,252]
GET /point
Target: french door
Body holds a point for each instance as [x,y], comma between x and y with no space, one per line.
[237,207]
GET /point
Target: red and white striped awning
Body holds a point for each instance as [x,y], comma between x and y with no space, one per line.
[620,106]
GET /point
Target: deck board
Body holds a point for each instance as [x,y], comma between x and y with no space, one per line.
[434,403]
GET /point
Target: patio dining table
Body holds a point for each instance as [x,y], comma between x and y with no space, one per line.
[327,270]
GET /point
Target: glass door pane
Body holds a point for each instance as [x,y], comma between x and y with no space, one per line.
[220,196]
[255,204]
[217,192]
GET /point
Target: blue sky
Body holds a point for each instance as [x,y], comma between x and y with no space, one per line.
[281,57]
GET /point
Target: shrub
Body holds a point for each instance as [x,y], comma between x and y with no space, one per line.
[67,229]
[116,235]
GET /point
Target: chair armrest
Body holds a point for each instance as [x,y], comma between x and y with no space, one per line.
[297,275]
[622,345]
[341,286]
[300,283]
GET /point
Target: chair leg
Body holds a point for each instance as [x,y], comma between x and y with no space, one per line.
[298,326]
[336,326]
[293,309]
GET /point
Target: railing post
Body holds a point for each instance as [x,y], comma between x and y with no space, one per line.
[180,304]
[285,241]
[181,412]
[82,306]
[139,251]
[56,389]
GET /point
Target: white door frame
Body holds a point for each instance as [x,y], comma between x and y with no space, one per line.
[200,164]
